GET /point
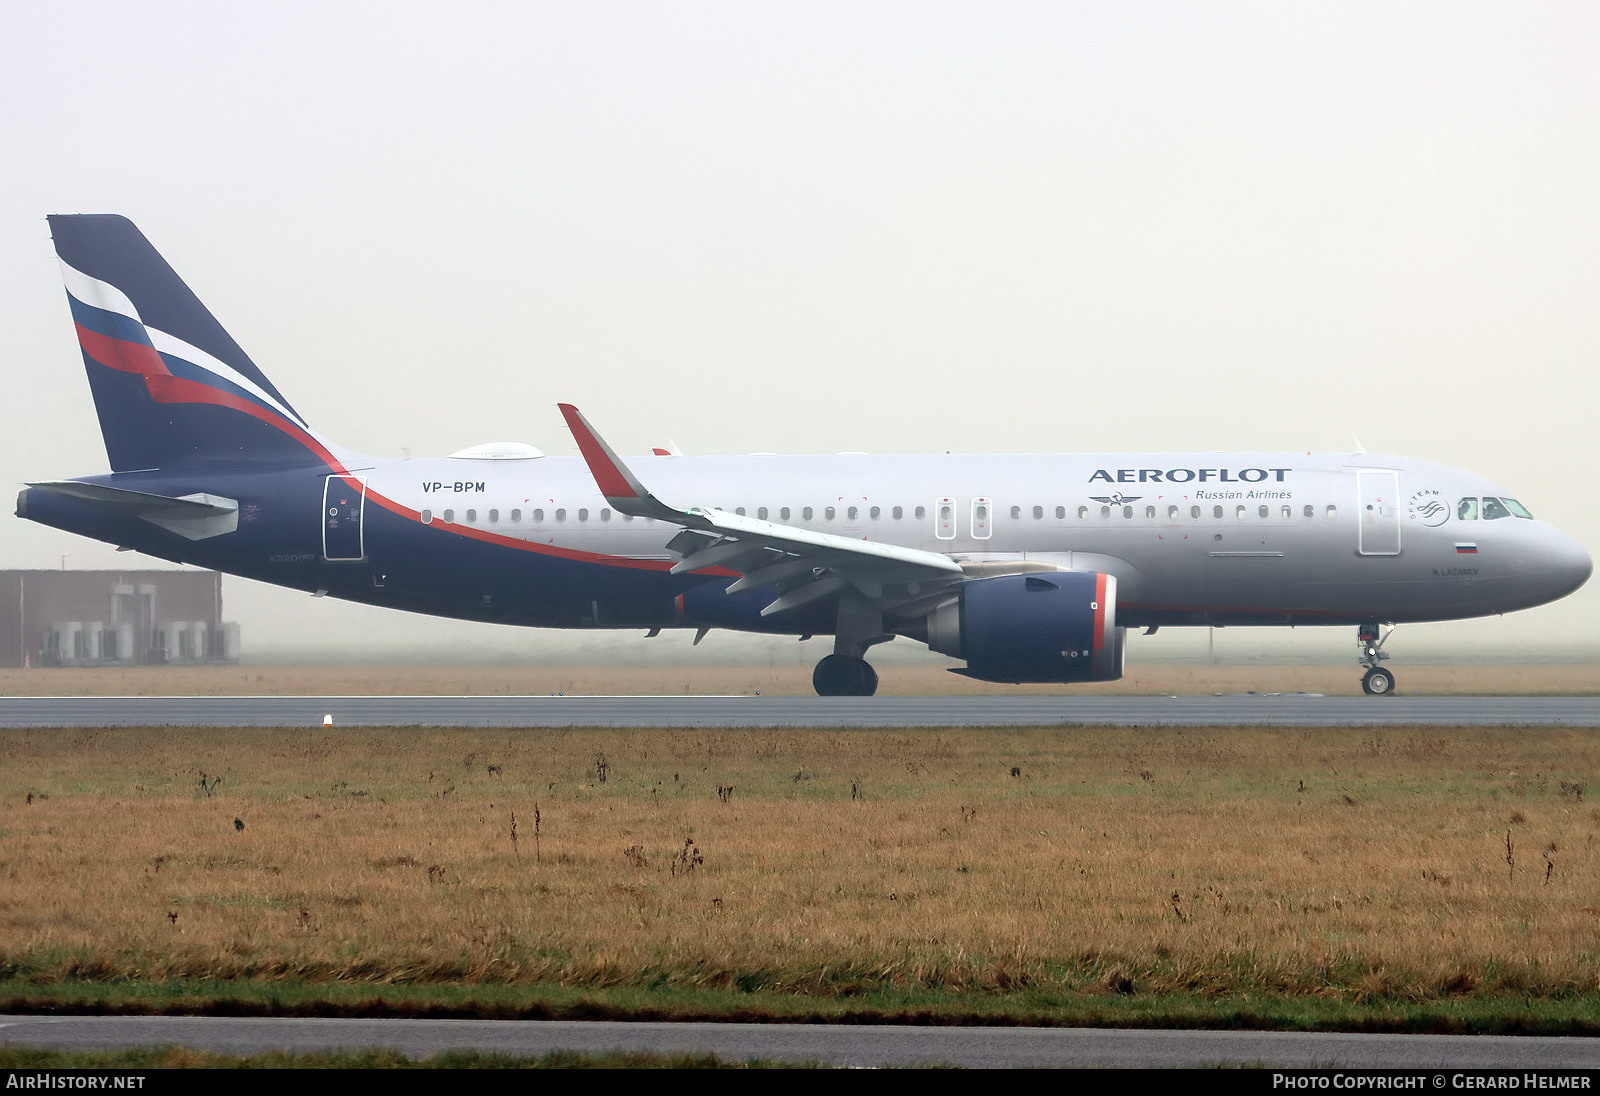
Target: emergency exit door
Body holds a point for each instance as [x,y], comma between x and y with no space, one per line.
[343,507]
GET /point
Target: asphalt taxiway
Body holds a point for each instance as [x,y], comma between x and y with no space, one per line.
[1263,710]
[833,1044]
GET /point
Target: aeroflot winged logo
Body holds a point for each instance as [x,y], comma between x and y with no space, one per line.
[1117,499]
[1188,475]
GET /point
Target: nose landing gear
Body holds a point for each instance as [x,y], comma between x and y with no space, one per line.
[1377,681]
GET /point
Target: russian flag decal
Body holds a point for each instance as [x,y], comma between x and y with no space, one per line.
[1466,549]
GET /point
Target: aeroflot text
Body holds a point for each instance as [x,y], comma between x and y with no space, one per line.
[1434,1080]
[1188,475]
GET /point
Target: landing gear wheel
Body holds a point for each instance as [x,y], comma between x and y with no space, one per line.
[1377,682]
[838,675]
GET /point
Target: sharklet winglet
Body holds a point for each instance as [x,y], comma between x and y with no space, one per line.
[617,483]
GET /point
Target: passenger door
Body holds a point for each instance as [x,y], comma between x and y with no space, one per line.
[1378,513]
[343,513]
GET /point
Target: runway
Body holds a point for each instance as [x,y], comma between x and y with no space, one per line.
[834,1044]
[1267,710]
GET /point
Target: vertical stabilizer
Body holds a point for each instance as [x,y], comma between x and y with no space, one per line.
[170,385]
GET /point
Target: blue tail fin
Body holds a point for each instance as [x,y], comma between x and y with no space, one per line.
[171,387]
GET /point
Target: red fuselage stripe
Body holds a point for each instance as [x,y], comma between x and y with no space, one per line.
[1099,611]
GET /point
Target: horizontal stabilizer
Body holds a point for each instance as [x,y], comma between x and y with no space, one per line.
[195,517]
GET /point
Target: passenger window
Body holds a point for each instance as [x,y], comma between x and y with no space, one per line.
[784,514]
[1216,512]
[761,512]
[922,512]
[427,517]
[583,515]
[806,513]
[739,510]
[1038,512]
[898,513]
[1127,511]
[1105,511]
[561,515]
[538,517]
[1239,512]
[853,512]
[1467,510]
[449,515]
[494,516]
[1016,512]
[472,517]
[1194,512]
[1493,508]
[1311,511]
[1061,512]
[1149,511]
[1083,512]
[516,515]
[1263,511]
[1333,511]
[828,513]
[605,514]
[1172,513]
[874,513]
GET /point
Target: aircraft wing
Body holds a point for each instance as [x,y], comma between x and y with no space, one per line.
[804,565]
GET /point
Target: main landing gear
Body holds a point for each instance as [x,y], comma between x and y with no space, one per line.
[840,675]
[846,672]
[1377,681]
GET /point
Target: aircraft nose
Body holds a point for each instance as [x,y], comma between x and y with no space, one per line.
[1570,564]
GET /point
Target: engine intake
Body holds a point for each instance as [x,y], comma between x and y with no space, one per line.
[1058,626]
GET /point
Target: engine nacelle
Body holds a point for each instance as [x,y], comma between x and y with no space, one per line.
[1052,626]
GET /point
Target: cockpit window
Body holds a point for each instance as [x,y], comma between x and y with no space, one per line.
[1467,510]
[1517,509]
[1493,508]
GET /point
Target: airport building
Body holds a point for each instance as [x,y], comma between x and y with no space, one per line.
[114,618]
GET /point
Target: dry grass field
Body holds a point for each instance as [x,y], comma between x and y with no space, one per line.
[1322,865]
[1182,678]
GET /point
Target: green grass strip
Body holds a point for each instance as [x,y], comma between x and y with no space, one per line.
[1576,1014]
[141,1058]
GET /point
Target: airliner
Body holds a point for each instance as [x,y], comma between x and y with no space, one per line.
[1025,568]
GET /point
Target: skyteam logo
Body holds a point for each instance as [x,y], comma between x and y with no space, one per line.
[1427,507]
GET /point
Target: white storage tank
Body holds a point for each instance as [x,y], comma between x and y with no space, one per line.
[71,641]
[230,641]
[174,641]
[125,649]
[199,632]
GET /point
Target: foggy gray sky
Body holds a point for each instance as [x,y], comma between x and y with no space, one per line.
[819,227]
